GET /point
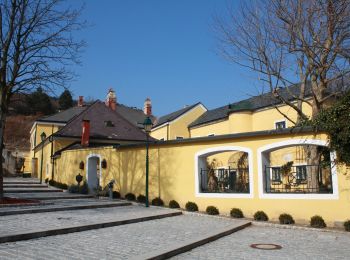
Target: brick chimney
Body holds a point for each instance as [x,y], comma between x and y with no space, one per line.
[85,135]
[111,99]
[80,101]
[147,108]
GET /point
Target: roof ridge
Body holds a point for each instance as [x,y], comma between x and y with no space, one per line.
[74,117]
[185,110]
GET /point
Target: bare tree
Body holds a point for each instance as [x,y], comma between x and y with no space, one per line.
[37,46]
[288,42]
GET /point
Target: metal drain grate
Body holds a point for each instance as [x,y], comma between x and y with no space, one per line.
[266,246]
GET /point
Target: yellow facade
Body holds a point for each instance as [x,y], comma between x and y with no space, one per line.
[178,128]
[173,171]
[215,128]
[247,121]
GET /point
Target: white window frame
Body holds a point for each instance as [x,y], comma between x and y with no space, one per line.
[310,196]
[215,150]
[280,121]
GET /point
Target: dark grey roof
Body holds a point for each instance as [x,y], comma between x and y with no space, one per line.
[170,117]
[250,104]
[105,124]
[63,116]
[133,115]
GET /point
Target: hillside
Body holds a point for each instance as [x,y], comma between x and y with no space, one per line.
[17,131]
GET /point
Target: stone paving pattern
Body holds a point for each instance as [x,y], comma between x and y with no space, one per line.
[297,244]
[119,242]
[47,204]
[17,224]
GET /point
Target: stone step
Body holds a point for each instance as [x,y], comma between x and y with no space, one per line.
[46,231]
[21,182]
[30,190]
[49,196]
[54,208]
[25,186]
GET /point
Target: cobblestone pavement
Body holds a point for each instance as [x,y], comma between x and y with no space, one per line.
[47,204]
[297,244]
[119,242]
[18,224]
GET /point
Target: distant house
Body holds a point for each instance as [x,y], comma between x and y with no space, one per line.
[175,125]
[107,122]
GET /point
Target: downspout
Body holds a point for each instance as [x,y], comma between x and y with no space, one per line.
[167,132]
[52,160]
[36,130]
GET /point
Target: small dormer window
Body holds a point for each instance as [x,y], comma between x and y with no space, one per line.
[109,123]
[280,125]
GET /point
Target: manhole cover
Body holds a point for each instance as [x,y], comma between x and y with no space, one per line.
[266,246]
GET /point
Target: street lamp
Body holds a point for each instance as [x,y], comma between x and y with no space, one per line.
[43,138]
[147,126]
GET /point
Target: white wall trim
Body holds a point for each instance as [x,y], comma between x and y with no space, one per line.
[45,123]
[287,143]
[224,195]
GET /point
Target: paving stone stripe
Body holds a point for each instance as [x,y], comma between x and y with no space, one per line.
[65,208]
[31,190]
[28,226]
[25,186]
[61,231]
[296,244]
[122,242]
[49,195]
[188,245]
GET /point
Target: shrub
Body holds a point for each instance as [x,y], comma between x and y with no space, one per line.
[191,206]
[116,195]
[286,219]
[211,210]
[73,188]
[83,189]
[236,213]
[57,184]
[173,204]
[141,198]
[157,202]
[130,196]
[26,175]
[347,225]
[46,180]
[317,222]
[260,216]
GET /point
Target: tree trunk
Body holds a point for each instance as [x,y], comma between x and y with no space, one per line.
[2,129]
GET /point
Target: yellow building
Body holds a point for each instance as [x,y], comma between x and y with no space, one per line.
[175,125]
[244,155]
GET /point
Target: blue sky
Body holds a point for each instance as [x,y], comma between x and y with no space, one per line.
[165,50]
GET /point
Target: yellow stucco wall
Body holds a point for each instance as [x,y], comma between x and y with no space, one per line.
[217,128]
[240,122]
[179,126]
[172,176]
[245,121]
[160,133]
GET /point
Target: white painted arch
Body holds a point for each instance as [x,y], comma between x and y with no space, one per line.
[288,143]
[214,150]
[91,172]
